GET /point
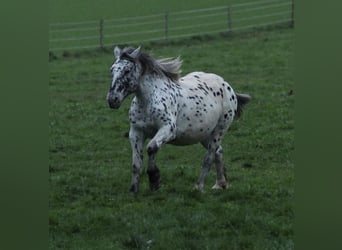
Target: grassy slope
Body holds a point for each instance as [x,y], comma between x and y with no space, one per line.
[90,157]
[75,11]
[69,36]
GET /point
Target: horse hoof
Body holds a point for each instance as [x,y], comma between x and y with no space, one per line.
[198,188]
[133,189]
[220,186]
[155,186]
[154,179]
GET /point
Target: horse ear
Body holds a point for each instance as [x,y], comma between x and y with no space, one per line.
[117,52]
[135,53]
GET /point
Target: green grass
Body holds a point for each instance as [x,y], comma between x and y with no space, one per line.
[90,157]
[85,10]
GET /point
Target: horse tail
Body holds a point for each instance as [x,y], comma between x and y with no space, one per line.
[242,100]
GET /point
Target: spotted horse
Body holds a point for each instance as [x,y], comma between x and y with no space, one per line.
[196,108]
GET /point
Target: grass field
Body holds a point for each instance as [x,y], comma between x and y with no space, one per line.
[85,10]
[90,161]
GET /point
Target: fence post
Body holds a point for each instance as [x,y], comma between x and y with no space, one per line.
[101,33]
[229,19]
[292,14]
[166,26]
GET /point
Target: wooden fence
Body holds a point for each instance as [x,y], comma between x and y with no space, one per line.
[170,25]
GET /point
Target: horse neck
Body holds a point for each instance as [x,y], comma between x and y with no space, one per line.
[149,86]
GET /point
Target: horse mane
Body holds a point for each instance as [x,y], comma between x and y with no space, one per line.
[169,67]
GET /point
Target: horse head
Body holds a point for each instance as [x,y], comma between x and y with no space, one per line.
[126,72]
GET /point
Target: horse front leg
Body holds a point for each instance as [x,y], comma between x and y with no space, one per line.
[153,172]
[164,135]
[137,139]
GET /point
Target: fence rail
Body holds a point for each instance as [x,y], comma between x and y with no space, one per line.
[169,25]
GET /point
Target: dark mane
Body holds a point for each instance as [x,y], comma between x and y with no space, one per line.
[168,67]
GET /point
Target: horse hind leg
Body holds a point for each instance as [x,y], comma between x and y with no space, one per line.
[207,162]
[221,179]
[213,145]
[211,157]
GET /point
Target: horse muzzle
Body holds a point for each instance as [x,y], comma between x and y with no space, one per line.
[114,102]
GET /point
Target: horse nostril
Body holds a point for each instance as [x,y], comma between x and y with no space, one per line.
[114,102]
